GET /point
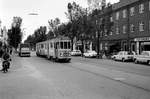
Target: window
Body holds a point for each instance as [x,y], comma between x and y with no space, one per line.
[124,29]
[65,45]
[117,30]
[51,44]
[61,45]
[117,15]
[106,46]
[42,46]
[124,13]
[105,33]
[111,32]
[132,28]
[111,19]
[141,8]
[69,45]
[141,26]
[132,11]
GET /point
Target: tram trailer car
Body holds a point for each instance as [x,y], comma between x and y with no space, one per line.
[56,49]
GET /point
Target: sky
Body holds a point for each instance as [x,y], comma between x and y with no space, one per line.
[46,10]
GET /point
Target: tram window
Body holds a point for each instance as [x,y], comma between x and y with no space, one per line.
[65,45]
[57,45]
[61,45]
[45,46]
[51,45]
[42,46]
[68,45]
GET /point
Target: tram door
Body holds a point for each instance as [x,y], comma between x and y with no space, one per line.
[56,49]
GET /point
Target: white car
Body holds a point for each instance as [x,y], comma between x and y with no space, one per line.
[90,53]
[144,57]
[75,53]
[124,56]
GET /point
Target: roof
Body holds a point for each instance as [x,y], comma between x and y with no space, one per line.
[123,3]
[61,38]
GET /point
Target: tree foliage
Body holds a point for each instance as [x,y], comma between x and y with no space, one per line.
[53,27]
[81,25]
[38,36]
[15,33]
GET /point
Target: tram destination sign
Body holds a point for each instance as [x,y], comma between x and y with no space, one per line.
[142,39]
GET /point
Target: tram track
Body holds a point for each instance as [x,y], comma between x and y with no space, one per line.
[105,76]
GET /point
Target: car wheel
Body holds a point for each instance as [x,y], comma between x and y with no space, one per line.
[123,60]
[148,62]
[114,58]
[136,61]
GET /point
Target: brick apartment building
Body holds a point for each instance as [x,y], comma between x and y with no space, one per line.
[131,29]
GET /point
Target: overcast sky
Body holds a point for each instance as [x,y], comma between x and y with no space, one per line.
[46,9]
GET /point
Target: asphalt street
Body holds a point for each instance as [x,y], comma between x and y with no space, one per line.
[83,78]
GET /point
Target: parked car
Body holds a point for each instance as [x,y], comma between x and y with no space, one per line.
[76,53]
[144,57]
[90,53]
[124,56]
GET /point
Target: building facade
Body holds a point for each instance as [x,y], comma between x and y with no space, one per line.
[131,29]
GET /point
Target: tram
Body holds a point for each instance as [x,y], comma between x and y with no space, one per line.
[56,49]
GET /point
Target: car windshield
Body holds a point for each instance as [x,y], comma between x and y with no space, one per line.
[130,53]
[89,51]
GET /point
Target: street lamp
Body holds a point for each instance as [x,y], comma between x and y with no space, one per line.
[82,38]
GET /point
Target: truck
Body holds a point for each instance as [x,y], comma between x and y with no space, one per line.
[24,49]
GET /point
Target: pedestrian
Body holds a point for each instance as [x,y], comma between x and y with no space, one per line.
[10,51]
[1,52]
[5,59]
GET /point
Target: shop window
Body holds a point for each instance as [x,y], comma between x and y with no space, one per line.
[133,47]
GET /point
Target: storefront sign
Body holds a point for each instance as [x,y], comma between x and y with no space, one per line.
[142,39]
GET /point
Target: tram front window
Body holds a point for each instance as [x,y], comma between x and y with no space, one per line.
[69,45]
[65,45]
[61,45]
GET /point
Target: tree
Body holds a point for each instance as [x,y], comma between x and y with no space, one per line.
[75,14]
[38,36]
[15,34]
[53,27]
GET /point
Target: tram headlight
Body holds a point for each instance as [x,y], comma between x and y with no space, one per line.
[69,54]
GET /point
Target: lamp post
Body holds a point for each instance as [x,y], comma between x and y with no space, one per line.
[97,37]
[82,38]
